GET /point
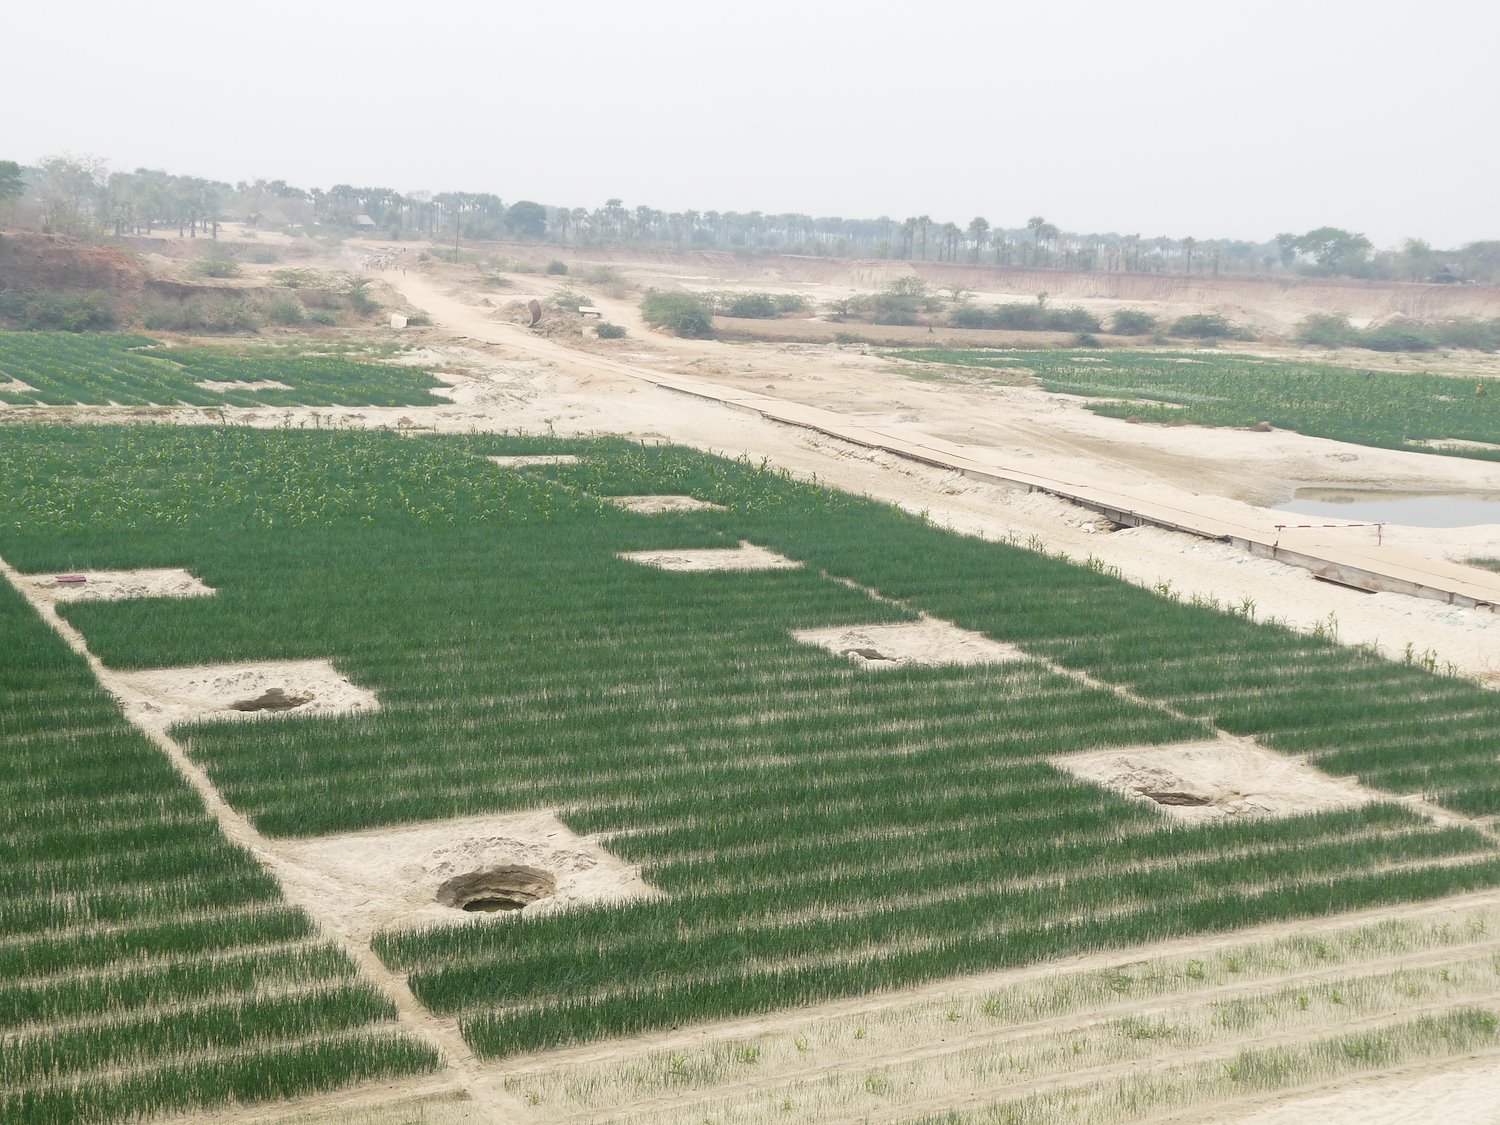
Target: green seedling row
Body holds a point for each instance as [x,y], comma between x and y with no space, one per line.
[816,830]
[66,369]
[1398,410]
[147,964]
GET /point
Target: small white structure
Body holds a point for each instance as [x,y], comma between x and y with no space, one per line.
[590,310]
[397,320]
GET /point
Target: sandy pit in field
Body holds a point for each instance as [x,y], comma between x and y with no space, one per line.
[243,385]
[396,877]
[929,642]
[528,461]
[747,556]
[1203,781]
[661,505]
[116,585]
[162,697]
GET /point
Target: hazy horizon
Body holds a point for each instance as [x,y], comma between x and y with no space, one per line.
[1163,118]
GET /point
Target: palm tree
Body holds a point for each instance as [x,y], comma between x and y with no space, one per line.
[979,233]
[923,222]
[1188,245]
[908,238]
[1036,224]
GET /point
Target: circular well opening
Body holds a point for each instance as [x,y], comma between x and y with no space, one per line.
[496,889]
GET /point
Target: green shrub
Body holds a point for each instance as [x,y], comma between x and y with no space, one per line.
[286,313]
[754,306]
[42,311]
[681,314]
[358,289]
[1326,330]
[216,267]
[557,268]
[325,318]
[608,331]
[1397,338]
[1020,317]
[1071,320]
[1086,340]
[1481,335]
[1132,322]
[896,310]
[418,320]
[567,299]
[298,278]
[1205,326]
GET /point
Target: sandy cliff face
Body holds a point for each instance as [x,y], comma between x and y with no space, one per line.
[57,262]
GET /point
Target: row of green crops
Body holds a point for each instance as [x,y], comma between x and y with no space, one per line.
[146,964]
[819,830]
[62,369]
[1382,408]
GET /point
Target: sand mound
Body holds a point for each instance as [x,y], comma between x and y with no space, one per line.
[116,585]
[1199,781]
[163,697]
[451,871]
[930,641]
[525,461]
[657,505]
[747,556]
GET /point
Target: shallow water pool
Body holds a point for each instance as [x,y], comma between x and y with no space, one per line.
[1413,509]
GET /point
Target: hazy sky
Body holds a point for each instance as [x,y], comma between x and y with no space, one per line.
[1153,117]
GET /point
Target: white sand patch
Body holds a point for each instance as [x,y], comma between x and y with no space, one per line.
[658,505]
[161,697]
[930,641]
[117,585]
[1458,1090]
[394,877]
[526,461]
[747,556]
[243,385]
[15,386]
[1202,781]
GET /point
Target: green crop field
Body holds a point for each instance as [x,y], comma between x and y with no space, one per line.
[1380,408]
[818,830]
[65,369]
[146,964]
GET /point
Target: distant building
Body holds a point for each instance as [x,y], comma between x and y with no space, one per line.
[364,222]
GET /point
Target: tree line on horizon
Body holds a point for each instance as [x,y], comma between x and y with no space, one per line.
[81,196]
